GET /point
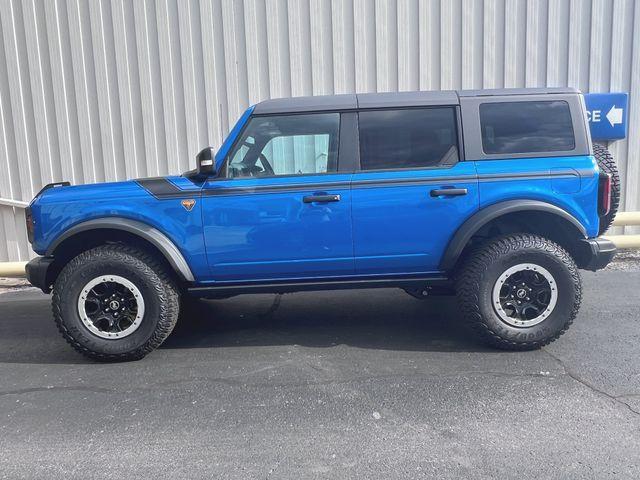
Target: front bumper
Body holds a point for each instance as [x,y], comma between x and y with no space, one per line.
[38,271]
[597,253]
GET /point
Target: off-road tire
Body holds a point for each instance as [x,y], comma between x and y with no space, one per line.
[160,293]
[482,268]
[608,165]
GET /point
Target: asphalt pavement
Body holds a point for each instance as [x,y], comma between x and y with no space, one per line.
[352,384]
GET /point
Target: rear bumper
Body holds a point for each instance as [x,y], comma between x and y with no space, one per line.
[598,253]
[38,273]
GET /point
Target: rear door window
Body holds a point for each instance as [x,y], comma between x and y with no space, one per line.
[526,127]
[408,138]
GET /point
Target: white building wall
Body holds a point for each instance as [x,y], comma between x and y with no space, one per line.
[103,90]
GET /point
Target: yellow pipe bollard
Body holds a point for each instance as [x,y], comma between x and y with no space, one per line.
[626,218]
[625,241]
[12,269]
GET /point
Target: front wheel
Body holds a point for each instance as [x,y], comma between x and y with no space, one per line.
[519,292]
[115,303]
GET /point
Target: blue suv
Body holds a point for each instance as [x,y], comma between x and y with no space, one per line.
[496,196]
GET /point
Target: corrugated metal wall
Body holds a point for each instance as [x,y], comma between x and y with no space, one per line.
[100,90]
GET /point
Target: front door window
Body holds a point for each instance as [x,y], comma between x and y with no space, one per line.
[286,145]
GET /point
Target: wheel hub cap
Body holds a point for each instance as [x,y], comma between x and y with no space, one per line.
[525,295]
[111,307]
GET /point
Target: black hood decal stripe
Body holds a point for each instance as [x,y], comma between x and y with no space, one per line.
[162,189]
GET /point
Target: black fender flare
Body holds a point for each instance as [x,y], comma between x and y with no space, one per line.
[142,230]
[482,217]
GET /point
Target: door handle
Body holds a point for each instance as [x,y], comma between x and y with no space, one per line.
[321,198]
[448,192]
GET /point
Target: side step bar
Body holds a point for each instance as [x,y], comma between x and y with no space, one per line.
[227,288]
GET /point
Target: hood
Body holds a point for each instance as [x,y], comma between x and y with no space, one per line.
[158,187]
[61,193]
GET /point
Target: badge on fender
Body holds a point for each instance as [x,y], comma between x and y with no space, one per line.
[188,204]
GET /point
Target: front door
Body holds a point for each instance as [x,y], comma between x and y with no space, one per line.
[280,209]
[412,192]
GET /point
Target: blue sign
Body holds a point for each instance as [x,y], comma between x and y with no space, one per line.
[607,114]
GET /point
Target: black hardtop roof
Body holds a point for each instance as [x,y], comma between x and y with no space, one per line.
[354,101]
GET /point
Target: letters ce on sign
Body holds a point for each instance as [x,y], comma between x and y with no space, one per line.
[607,114]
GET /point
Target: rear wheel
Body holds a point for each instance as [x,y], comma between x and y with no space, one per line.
[519,292]
[115,303]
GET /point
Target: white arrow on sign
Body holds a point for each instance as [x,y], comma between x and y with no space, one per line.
[614,116]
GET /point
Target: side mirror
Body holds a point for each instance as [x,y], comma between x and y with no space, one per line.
[206,162]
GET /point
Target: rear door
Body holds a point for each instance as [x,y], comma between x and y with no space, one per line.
[281,206]
[411,192]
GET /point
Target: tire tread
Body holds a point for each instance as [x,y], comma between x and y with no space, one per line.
[166,288]
[470,278]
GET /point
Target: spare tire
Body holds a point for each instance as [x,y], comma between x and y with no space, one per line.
[608,165]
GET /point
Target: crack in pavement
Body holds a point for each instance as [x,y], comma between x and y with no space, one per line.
[79,388]
[592,387]
[235,380]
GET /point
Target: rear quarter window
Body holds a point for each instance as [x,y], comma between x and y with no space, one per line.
[526,127]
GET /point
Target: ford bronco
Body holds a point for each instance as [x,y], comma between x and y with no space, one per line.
[497,196]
